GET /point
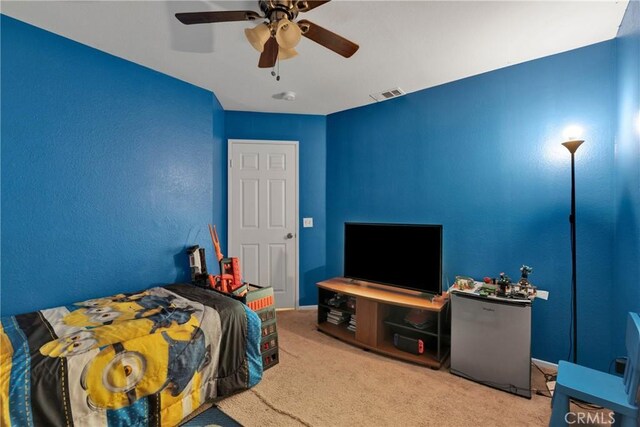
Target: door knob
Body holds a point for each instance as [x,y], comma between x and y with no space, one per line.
[290,236]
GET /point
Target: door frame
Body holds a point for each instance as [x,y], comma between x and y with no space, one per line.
[295,144]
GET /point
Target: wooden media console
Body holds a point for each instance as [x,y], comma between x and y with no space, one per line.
[379,312]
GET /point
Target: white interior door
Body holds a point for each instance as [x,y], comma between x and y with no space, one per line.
[263,214]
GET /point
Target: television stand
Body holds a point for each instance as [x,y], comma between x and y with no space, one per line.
[379,312]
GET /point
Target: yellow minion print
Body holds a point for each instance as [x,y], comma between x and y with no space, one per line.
[125,372]
[119,308]
[113,320]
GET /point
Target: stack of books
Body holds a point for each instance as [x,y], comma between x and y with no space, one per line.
[337,317]
[352,323]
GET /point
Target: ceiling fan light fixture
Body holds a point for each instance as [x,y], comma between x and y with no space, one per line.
[288,34]
[258,36]
[286,53]
[277,35]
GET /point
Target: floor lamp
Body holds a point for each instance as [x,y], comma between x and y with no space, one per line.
[572,145]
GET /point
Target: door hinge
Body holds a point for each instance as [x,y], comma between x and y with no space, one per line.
[230,163]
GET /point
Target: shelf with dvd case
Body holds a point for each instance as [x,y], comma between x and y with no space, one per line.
[335,311]
[352,323]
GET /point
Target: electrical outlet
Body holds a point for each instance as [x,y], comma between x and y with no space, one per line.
[307,222]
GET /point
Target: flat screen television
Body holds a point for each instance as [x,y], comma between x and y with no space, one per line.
[403,255]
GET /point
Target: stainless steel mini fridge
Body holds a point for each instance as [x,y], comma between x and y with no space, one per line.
[491,341]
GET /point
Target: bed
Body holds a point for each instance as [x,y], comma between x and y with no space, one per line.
[148,358]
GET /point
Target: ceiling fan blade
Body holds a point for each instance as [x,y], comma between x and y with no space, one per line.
[269,54]
[328,39]
[307,5]
[190,18]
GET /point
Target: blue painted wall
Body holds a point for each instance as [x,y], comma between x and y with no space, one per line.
[482,156]
[310,131]
[107,171]
[627,177]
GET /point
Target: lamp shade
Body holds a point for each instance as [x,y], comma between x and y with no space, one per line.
[573,145]
[288,34]
[286,53]
[258,36]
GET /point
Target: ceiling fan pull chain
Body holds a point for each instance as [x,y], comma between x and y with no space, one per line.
[273,71]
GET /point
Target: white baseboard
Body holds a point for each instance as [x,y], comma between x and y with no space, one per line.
[307,307]
[544,364]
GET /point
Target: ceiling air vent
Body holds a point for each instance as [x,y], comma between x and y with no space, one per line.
[387,94]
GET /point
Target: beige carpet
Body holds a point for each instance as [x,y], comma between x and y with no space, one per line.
[321,381]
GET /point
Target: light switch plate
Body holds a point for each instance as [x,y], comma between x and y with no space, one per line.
[307,222]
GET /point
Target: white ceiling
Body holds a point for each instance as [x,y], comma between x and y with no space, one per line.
[408,44]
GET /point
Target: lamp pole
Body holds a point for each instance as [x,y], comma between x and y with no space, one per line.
[572,146]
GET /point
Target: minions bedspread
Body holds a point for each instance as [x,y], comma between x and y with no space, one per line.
[141,359]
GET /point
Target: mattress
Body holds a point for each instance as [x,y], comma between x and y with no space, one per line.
[142,359]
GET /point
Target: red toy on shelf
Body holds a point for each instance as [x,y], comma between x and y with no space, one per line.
[229,280]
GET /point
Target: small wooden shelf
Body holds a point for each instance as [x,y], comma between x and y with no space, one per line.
[428,358]
[432,331]
[338,331]
[343,310]
[378,308]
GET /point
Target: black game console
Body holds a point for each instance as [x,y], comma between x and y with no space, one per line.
[410,345]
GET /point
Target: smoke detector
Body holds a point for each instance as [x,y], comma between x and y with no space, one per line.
[387,94]
[288,95]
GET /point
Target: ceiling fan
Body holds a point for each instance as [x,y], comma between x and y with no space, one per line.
[278,35]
